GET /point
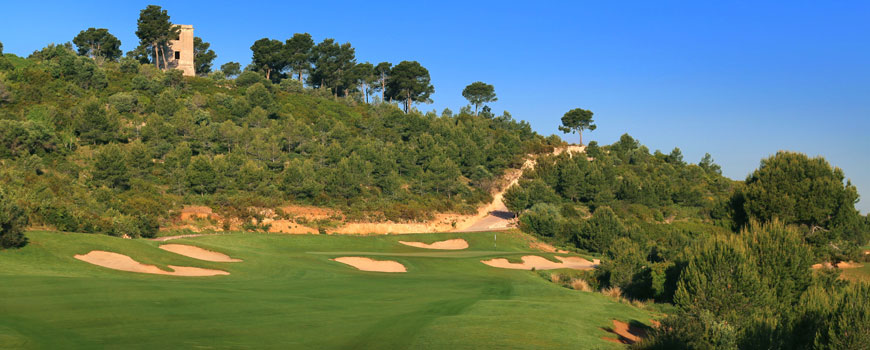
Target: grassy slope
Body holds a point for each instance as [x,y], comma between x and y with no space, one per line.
[288,294]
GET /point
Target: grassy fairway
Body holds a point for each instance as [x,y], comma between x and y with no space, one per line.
[287,294]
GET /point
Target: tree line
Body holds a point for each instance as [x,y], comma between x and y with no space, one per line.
[90,145]
[732,257]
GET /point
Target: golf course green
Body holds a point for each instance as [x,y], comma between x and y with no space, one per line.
[287,293]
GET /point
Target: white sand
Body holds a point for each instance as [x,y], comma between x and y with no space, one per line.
[122,262]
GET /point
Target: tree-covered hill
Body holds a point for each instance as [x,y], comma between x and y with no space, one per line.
[103,146]
[731,257]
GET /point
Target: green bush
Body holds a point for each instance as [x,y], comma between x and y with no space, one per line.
[543,219]
[13,221]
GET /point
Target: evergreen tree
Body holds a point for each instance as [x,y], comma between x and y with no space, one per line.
[478,93]
[94,125]
[13,221]
[269,56]
[155,31]
[231,69]
[110,168]
[577,119]
[202,56]
[298,52]
[98,43]
[409,82]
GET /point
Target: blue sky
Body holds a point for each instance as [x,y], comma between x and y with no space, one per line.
[740,80]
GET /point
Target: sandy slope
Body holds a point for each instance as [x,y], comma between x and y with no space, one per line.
[489,217]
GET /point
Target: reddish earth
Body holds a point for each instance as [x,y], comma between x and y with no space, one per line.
[628,334]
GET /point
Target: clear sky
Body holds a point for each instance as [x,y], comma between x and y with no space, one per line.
[739,80]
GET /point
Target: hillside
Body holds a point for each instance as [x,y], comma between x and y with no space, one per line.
[114,147]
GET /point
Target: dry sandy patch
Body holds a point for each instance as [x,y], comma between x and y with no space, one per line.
[539,263]
[122,262]
[839,265]
[544,247]
[450,244]
[366,264]
[197,212]
[628,334]
[197,253]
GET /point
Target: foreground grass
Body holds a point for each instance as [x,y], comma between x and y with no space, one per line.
[287,294]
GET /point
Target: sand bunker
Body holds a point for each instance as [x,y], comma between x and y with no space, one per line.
[366,264]
[122,262]
[450,244]
[628,334]
[198,253]
[539,263]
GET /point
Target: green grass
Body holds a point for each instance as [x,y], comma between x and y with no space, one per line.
[287,294]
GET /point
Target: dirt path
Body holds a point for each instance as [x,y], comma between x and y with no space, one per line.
[492,216]
[495,215]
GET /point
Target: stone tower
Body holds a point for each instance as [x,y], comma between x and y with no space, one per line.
[182,51]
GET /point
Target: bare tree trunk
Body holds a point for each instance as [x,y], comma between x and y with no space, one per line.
[299,73]
[580,133]
[383,87]
[156,55]
[165,62]
[268,72]
[366,93]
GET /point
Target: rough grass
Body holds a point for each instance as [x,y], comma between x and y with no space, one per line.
[288,294]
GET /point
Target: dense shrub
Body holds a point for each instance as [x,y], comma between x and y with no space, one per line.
[12,223]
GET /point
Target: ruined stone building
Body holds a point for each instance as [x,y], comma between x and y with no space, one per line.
[182,51]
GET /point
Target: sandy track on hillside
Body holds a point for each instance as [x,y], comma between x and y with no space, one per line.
[450,244]
[366,264]
[492,216]
[122,262]
[197,253]
[539,263]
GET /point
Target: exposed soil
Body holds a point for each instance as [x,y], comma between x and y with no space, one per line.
[122,262]
[450,244]
[198,253]
[489,217]
[539,263]
[366,264]
[198,212]
[628,334]
[839,265]
[544,247]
